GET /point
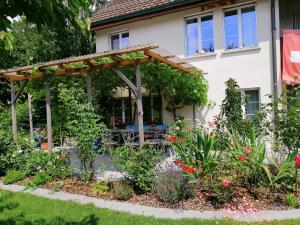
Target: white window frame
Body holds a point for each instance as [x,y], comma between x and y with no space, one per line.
[243,93]
[120,33]
[240,25]
[198,17]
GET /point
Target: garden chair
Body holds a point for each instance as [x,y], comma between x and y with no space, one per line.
[129,138]
[108,140]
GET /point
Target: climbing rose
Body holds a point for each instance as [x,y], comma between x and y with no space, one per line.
[225,183]
[242,158]
[297,161]
[248,150]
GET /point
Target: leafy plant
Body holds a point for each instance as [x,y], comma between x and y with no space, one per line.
[291,200]
[101,188]
[173,186]
[13,176]
[41,178]
[123,191]
[138,165]
[196,150]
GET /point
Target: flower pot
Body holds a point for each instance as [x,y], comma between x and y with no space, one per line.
[44,146]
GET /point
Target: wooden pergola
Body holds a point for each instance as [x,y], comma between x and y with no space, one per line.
[88,64]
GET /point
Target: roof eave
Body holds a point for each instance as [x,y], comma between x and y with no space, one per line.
[145,12]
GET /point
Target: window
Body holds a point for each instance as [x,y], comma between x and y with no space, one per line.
[240,27]
[252,100]
[199,35]
[152,109]
[119,41]
[121,111]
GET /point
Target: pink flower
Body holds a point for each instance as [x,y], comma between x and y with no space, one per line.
[247,150]
[225,183]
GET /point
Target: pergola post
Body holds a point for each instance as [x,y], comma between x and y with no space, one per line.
[48,111]
[13,109]
[89,88]
[30,115]
[139,104]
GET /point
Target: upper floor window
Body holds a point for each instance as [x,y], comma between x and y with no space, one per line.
[120,40]
[199,35]
[240,27]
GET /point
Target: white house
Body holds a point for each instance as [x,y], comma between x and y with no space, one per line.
[225,38]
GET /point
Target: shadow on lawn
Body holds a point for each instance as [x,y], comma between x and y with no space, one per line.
[20,218]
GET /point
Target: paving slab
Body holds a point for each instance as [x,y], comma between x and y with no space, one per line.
[265,215]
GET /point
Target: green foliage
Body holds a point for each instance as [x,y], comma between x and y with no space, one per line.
[291,200]
[101,188]
[123,191]
[173,186]
[138,165]
[178,88]
[54,164]
[41,178]
[13,176]
[195,148]
[287,119]
[82,124]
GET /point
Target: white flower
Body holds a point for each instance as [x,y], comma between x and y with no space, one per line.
[13,155]
[20,151]
[39,168]
[177,128]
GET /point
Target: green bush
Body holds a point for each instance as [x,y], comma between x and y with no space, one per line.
[173,186]
[101,188]
[123,191]
[291,200]
[138,165]
[13,176]
[41,178]
[54,164]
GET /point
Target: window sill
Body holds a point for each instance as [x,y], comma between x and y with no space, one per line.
[210,54]
[236,50]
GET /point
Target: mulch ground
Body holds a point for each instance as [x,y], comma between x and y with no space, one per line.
[243,201]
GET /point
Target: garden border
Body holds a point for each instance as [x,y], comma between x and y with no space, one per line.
[264,215]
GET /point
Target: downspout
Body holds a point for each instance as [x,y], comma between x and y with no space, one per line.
[274,51]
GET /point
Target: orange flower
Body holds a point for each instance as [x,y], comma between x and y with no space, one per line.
[172,139]
[242,158]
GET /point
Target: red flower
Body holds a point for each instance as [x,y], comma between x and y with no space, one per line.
[172,139]
[185,168]
[242,158]
[248,150]
[225,183]
[297,161]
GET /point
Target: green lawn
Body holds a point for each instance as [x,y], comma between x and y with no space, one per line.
[21,208]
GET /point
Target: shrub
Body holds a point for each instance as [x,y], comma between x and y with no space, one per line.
[173,186]
[138,165]
[123,191]
[101,188]
[13,176]
[41,178]
[54,164]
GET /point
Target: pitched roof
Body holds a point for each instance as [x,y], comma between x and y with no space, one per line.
[123,9]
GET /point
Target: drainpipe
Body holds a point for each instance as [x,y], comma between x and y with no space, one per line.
[274,50]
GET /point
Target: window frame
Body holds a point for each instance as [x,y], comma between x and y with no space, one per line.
[240,26]
[199,17]
[243,93]
[119,33]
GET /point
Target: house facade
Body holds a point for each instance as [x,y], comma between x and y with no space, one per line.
[237,39]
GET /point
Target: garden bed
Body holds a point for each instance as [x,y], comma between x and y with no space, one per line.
[243,200]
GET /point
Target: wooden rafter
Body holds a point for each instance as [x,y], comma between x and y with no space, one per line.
[91,62]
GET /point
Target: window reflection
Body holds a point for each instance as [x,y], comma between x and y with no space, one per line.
[192,36]
[207,34]
[231,29]
[249,26]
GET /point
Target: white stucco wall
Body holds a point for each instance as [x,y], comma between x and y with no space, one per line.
[252,68]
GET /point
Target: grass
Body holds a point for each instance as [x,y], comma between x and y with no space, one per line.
[23,208]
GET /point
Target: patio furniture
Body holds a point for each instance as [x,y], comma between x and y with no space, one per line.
[129,137]
[108,140]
